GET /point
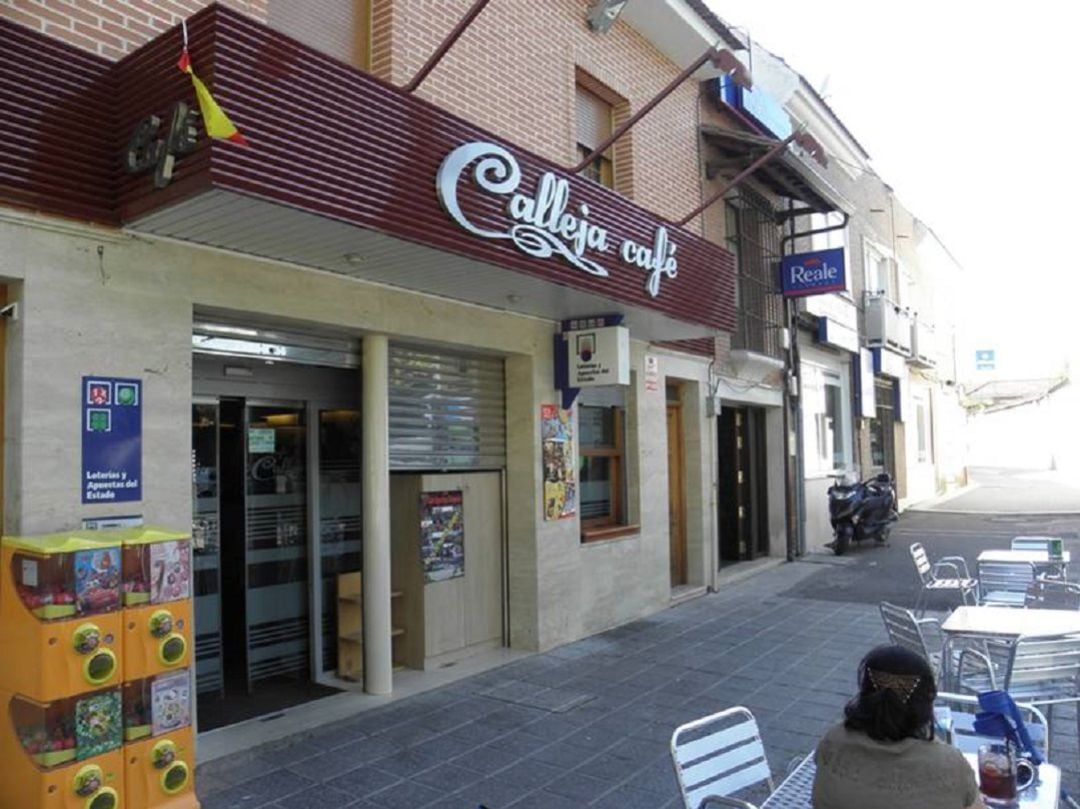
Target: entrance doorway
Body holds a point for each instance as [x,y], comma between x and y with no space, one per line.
[676,488]
[883,430]
[743,497]
[276,516]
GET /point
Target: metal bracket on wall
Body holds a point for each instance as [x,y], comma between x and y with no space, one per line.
[10,312]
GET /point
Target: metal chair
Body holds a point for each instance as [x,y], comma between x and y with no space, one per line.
[1043,671]
[1054,568]
[905,630]
[931,579]
[718,756]
[1052,594]
[1030,544]
[1005,584]
[964,707]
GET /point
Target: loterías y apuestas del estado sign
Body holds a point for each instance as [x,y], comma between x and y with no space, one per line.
[545,222]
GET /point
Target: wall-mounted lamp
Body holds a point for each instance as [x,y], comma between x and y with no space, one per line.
[603,13]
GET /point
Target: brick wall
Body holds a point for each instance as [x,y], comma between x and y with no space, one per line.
[112,28]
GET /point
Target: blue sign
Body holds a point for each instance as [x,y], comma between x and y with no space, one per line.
[984,360]
[813,273]
[766,111]
[111,439]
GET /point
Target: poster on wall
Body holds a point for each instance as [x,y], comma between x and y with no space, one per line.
[442,535]
[111,439]
[560,463]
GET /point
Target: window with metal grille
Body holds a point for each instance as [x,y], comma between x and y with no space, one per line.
[447,411]
[753,237]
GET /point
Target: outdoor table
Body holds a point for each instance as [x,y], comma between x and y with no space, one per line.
[1044,795]
[796,790]
[1041,559]
[1002,623]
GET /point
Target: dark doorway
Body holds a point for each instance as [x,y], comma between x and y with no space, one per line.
[883,429]
[743,498]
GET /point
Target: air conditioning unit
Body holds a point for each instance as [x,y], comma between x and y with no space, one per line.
[923,344]
[887,325]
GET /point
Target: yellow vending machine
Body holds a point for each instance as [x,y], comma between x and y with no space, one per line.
[63,753]
[159,764]
[157,601]
[60,615]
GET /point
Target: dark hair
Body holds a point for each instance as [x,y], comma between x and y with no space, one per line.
[883,713]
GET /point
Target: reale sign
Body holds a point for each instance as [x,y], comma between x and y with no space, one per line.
[813,273]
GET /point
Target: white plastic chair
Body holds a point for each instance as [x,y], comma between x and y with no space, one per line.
[931,579]
[718,756]
[964,707]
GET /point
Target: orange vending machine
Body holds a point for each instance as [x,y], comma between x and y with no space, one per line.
[157,601]
[63,753]
[159,762]
[60,615]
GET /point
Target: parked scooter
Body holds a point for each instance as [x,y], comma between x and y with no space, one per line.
[859,511]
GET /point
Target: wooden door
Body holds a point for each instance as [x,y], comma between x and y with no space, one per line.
[676,495]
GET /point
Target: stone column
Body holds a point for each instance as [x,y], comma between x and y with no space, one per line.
[375,479]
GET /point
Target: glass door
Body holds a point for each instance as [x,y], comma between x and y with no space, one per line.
[206,541]
[340,522]
[276,546]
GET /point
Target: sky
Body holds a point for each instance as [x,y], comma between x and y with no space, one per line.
[968,111]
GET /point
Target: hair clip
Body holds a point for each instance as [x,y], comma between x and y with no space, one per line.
[903,685]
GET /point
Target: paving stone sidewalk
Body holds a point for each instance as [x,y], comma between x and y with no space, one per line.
[588,724]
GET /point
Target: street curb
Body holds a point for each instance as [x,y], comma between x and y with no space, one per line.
[976,513]
[932,503]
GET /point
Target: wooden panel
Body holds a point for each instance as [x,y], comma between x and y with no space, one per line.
[350,613]
[406,574]
[467,610]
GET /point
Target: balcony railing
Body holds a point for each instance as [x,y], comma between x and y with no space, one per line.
[887,324]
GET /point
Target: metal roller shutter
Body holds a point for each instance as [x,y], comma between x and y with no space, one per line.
[447,411]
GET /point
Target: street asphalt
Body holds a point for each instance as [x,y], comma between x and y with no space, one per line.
[588,724]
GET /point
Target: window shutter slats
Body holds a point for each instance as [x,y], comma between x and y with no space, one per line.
[593,118]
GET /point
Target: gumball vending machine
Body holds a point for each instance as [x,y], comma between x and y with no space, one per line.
[64,753]
[159,764]
[157,601]
[60,619]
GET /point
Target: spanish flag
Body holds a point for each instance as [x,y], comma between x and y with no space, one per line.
[216,121]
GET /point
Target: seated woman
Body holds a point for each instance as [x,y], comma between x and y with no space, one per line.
[884,753]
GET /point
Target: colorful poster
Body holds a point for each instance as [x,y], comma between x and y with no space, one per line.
[111,439]
[170,571]
[442,535]
[98,724]
[560,463]
[97,581]
[170,700]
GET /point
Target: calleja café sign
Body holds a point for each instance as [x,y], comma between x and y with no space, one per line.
[546,222]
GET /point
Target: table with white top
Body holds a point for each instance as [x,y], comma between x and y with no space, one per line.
[1009,623]
[1035,557]
[797,789]
[1002,624]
